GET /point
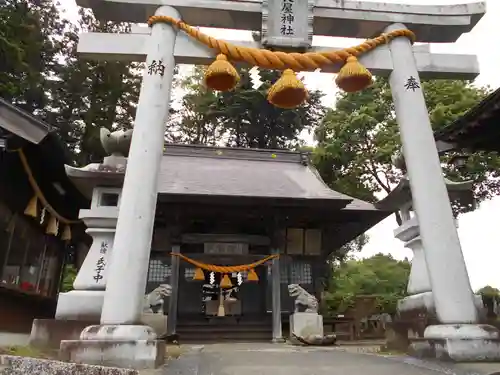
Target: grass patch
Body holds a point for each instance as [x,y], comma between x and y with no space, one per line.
[28,351]
[384,350]
[174,351]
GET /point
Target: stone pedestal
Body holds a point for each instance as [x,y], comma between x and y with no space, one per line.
[453,342]
[48,333]
[127,346]
[306,324]
[459,343]
[86,300]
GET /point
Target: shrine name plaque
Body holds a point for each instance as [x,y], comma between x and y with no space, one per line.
[224,248]
[287,23]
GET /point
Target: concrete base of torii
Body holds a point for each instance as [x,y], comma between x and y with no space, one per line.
[458,343]
[453,342]
[125,346]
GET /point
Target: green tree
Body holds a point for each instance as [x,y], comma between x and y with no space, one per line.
[489,291]
[380,275]
[41,73]
[337,258]
[69,276]
[29,50]
[88,95]
[242,117]
[357,139]
[195,122]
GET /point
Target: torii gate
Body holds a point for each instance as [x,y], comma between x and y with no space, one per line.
[162,46]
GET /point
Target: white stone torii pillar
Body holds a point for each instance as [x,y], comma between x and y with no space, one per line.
[402,62]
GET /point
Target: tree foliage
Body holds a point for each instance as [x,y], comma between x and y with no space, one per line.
[242,117]
[41,73]
[357,139]
[69,276]
[380,275]
[29,52]
[489,291]
[90,94]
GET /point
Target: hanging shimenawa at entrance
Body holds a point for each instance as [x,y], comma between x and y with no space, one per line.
[225,270]
[226,287]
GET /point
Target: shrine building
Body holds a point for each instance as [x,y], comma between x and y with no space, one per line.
[476,130]
[33,251]
[231,206]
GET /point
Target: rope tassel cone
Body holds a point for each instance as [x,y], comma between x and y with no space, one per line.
[221,75]
[252,275]
[226,282]
[353,76]
[52,226]
[32,207]
[288,92]
[66,234]
[199,275]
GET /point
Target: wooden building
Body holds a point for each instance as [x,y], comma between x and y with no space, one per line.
[229,206]
[32,165]
[475,131]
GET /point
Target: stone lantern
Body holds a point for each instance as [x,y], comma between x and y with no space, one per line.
[102,182]
[420,297]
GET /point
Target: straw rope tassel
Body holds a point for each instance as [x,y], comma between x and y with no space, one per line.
[288,92]
[353,76]
[199,275]
[52,226]
[221,311]
[226,282]
[32,207]
[221,75]
[252,275]
[66,234]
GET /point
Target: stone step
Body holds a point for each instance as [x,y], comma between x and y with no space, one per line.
[224,336]
[227,321]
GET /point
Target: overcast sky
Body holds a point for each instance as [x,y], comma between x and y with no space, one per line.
[477,229]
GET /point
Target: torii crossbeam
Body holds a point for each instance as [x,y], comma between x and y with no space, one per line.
[133,46]
[340,18]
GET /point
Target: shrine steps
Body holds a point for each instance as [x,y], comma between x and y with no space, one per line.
[225,329]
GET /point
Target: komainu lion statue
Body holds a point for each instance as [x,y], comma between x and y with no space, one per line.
[116,143]
[304,302]
[153,302]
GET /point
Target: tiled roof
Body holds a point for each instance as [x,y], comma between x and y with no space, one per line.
[198,170]
[478,129]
